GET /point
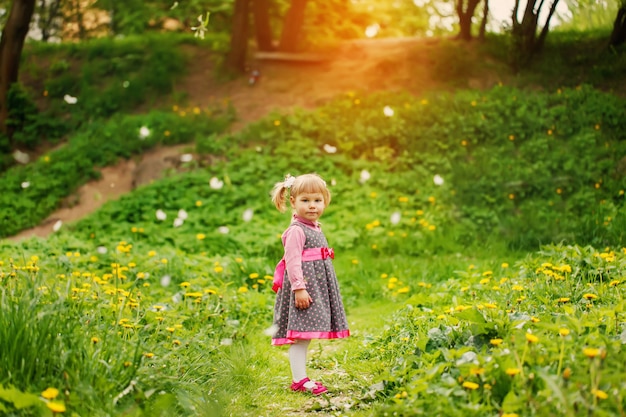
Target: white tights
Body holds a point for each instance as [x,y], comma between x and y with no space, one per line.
[297,360]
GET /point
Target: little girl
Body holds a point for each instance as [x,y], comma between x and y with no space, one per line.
[308,304]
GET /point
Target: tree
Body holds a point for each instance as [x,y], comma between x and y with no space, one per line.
[236,58]
[526,43]
[260,10]
[292,26]
[11,45]
[465,11]
[618,35]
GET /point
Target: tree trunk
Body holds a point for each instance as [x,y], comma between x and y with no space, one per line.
[11,45]
[544,32]
[483,22]
[236,59]
[465,18]
[260,10]
[618,35]
[47,18]
[293,26]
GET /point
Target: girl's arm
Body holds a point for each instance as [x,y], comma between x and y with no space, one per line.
[293,240]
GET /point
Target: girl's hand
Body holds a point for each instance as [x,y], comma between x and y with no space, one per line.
[303,299]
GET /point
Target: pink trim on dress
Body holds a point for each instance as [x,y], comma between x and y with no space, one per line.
[293,335]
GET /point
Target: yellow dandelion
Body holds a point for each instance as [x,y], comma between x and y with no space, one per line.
[591,352]
[531,338]
[598,393]
[149,355]
[200,236]
[563,332]
[56,407]
[470,385]
[242,289]
[276,122]
[496,342]
[563,300]
[50,393]
[590,296]
[512,371]
[254,275]
[94,340]
[218,269]
[511,137]
[509,415]
[185,284]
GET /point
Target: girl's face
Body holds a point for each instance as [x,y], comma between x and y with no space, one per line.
[309,206]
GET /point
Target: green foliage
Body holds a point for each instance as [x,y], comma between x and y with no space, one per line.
[536,340]
[30,193]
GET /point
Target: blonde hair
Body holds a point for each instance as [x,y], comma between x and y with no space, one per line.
[306,183]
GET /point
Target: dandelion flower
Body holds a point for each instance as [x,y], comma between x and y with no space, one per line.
[70,99]
[160,215]
[144,132]
[57,226]
[598,393]
[50,393]
[215,183]
[247,215]
[25,184]
[56,407]
[496,342]
[470,385]
[178,222]
[365,175]
[330,149]
[200,236]
[438,180]
[531,338]
[512,371]
[223,230]
[372,30]
[591,352]
[563,332]
[395,217]
[590,296]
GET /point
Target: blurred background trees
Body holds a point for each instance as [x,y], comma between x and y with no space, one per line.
[239,27]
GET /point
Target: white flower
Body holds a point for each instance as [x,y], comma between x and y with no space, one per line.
[175,5]
[69,99]
[438,180]
[388,111]
[166,280]
[271,331]
[330,149]
[182,214]
[202,28]
[186,157]
[395,217]
[365,175]
[226,342]
[178,222]
[21,157]
[101,250]
[57,226]
[247,215]
[144,132]
[215,183]
[125,84]
[372,30]
[160,215]
[223,230]
[25,184]
[333,182]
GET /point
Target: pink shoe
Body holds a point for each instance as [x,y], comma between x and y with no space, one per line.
[318,389]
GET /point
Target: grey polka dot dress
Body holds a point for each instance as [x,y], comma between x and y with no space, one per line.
[325,318]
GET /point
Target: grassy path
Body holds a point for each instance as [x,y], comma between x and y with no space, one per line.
[254,380]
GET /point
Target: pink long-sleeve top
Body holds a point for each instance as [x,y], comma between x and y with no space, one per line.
[293,240]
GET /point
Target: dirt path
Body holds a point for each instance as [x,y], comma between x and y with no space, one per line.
[356,66]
